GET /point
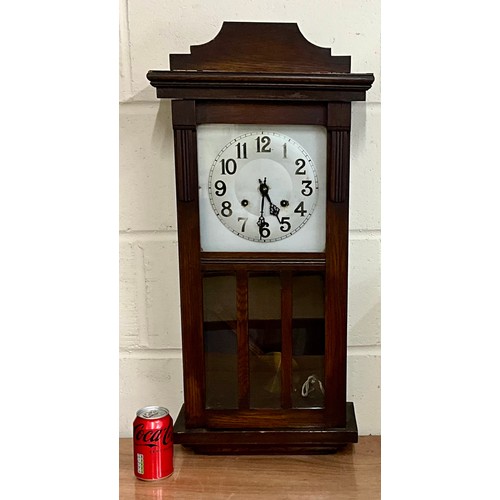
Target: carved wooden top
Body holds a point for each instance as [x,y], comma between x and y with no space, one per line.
[260,47]
[260,61]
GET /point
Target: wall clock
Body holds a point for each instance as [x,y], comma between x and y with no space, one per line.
[262,182]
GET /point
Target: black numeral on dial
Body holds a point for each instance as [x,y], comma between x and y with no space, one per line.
[228,166]
[263,144]
[241,150]
[285,224]
[300,209]
[226,209]
[302,167]
[307,190]
[220,188]
[264,231]
[244,219]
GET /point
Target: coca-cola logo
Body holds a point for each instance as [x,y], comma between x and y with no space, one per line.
[153,437]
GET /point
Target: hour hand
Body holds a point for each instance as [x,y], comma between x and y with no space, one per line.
[273,209]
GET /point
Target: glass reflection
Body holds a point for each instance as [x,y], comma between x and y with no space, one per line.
[308,334]
[220,341]
[264,321]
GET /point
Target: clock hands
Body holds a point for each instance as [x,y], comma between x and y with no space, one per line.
[264,231]
[264,191]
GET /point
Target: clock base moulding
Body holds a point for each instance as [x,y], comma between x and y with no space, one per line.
[267,441]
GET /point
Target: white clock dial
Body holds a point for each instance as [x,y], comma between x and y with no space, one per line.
[263,186]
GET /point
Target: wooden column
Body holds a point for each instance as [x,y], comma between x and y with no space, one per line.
[242,334]
[191,285]
[337,227]
[286,339]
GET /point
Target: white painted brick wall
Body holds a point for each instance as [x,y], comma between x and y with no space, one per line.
[150,341]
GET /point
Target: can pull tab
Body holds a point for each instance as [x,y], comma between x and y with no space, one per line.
[151,413]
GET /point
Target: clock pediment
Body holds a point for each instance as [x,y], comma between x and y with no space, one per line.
[240,47]
[260,61]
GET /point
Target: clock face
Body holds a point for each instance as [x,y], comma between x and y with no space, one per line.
[261,187]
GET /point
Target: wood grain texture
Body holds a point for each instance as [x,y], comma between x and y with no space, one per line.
[275,261]
[242,334]
[352,473]
[259,113]
[184,124]
[339,125]
[337,227]
[308,90]
[286,339]
[264,61]
[339,151]
[185,157]
[261,418]
[238,47]
[308,435]
[190,278]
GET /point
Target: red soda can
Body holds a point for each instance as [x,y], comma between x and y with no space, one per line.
[153,443]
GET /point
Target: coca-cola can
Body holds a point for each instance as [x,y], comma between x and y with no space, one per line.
[153,443]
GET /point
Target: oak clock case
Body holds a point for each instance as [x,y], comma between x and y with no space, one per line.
[262,183]
[262,188]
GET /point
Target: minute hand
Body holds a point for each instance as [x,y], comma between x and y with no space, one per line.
[261,223]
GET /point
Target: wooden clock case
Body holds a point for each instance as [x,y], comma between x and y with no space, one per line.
[269,74]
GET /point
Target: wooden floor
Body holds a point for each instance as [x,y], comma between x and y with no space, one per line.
[353,473]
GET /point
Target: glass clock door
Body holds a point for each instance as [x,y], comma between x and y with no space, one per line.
[264,342]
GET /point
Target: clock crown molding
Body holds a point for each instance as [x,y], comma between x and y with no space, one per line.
[231,66]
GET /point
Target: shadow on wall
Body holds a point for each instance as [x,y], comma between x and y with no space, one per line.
[358,124]
[162,139]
